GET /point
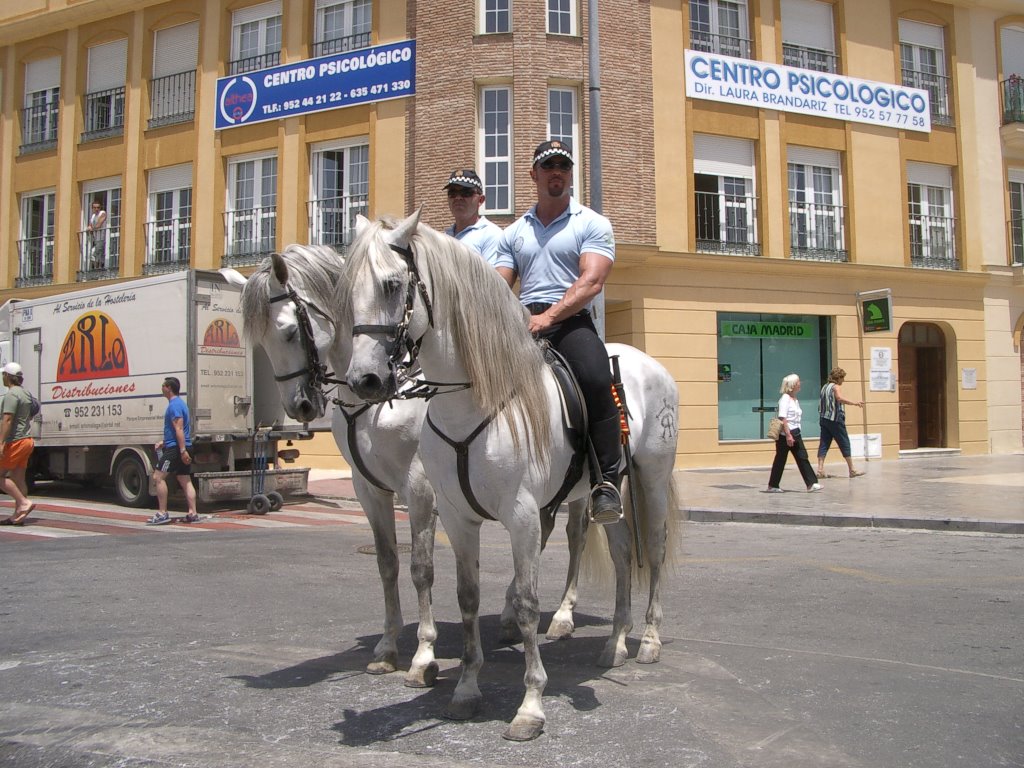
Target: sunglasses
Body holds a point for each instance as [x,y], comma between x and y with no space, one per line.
[560,165]
[460,192]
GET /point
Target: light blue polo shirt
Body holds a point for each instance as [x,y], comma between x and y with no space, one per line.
[547,259]
[483,236]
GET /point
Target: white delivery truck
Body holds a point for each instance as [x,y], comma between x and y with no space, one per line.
[96,359]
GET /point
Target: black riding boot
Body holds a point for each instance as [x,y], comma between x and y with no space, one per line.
[605,502]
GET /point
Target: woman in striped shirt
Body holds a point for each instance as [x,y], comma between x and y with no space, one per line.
[832,420]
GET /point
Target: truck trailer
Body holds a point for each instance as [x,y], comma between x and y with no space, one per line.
[96,358]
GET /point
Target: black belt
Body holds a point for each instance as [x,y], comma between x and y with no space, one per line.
[539,308]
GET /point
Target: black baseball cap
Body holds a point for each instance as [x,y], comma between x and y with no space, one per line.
[552,148]
[465,177]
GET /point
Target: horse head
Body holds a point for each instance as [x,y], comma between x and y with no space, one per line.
[281,307]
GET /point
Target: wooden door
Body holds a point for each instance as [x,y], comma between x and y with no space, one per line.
[931,401]
[908,397]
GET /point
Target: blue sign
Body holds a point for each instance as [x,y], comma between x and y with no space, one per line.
[329,82]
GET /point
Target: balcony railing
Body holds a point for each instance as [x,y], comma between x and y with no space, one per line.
[725,45]
[251,235]
[104,114]
[809,58]
[938,93]
[252,63]
[933,242]
[35,261]
[727,224]
[39,127]
[168,245]
[341,44]
[332,221]
[817,232]
[172,99]
[1012,97]
[1016,226]
[100,254]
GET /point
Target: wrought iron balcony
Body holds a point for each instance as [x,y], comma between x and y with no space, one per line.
[39,127]
[809,58]
[341,44]
[727,224]
[938,93]
[252,63]
[933,242]
[104,114]
[724,45]
[817,232]
[251,235]
[1012,98]
[332,221]
[35,261]
[168,245]
[100,254]
[172,99]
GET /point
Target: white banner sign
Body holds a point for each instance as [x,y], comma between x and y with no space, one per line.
[809,92]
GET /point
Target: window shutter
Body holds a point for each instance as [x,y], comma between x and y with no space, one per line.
[808,23]
[930,175]
[101,185]
[256,13]
[170,178]
[107,66]
[42,75]
[1012,39]
[919,33]
[723,156]
[1016,175]
[176,49]
[824,158]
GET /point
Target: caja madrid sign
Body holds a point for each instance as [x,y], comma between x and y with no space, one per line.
[328,82]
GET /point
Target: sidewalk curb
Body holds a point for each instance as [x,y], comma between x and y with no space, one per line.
[962,525]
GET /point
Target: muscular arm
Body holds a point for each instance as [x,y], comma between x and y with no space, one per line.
[6,425]
[508,275]
[594,270]
[179,433]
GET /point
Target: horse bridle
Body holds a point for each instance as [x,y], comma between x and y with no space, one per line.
[315,368]
[402,349]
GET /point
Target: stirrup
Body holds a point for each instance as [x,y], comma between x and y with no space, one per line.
[608,515]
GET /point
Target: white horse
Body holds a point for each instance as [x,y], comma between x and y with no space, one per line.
[286,308]
[411,286]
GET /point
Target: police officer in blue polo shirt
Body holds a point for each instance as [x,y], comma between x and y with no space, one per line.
[465,196]
[562,253]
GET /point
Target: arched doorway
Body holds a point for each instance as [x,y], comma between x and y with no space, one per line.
[922,386]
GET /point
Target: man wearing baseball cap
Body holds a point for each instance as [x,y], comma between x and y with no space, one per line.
[16,443]
[562,253]
[465,196]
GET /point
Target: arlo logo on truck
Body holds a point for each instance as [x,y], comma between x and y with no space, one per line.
[92,349]
[221,338]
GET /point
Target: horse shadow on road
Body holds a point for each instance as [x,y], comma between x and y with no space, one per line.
[570,664]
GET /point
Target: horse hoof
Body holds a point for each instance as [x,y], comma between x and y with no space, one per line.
[462,710]
[648,654]
[425,679]
[381,667]
[612,660]
[524,729]
[560,630]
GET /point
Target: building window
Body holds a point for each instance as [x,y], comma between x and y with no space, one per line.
[561,17]
[1011,39]
[720,26]
[808,35]
[816,212]
[250,217]
[342,25]
[172,92]
[755,351]
[255,37]
[1017,216]
[496,16]
[169,225]
[35,248]
[340,191]
[99,239]
[563,124]
[932,226]
[103,108]
[725,205]
[496,147]
[923,64]
[42,105]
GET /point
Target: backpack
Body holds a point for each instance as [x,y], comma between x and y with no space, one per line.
[34,407]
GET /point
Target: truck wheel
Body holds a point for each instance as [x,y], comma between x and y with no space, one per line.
[131,482]
[276,500]
[258,505]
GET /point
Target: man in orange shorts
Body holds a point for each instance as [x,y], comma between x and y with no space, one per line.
[16,444]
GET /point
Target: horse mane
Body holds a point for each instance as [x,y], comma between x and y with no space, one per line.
[488,325]
[315,269]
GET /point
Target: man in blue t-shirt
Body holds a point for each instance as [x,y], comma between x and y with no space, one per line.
[174,454]
[465,196]
[562,253]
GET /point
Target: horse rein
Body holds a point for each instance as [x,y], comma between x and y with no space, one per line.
[315,369]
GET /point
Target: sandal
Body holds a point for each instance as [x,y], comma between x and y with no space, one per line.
[856,473]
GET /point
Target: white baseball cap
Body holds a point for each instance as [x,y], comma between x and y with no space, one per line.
[12,369]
